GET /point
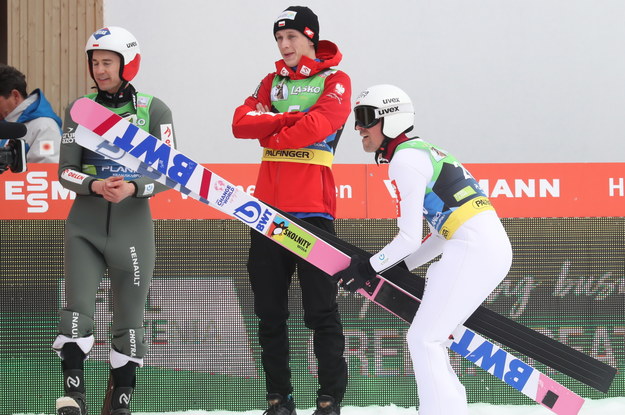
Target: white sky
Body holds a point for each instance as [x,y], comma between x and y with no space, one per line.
[492,80]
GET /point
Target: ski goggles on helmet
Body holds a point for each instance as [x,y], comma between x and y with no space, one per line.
[366,116]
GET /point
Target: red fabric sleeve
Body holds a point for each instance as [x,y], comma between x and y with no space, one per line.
[249,123]
[322,119]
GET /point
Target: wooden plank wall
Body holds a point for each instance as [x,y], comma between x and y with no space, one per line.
[46,41]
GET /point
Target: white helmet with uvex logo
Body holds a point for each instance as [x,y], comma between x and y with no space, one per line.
[387,103]
[121,41]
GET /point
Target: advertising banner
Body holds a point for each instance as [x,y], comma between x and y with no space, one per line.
[363,191]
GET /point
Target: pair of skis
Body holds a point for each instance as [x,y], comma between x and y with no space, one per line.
[397,291]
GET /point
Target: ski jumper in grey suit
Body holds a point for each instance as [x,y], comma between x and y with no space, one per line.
[101,235]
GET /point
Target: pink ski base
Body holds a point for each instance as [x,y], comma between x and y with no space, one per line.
[324,256]
[319,257]
[568,403]
[90,120]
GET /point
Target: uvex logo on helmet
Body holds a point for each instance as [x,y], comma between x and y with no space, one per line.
[385,111]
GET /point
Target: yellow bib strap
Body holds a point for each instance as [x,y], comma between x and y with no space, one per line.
[463,214]
[301,155]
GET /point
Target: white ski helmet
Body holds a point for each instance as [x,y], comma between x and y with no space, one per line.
[386,102]
[121,41]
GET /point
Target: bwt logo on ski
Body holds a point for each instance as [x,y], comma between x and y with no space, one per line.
[251,212]
[153,151]
[504,366]
[108,150]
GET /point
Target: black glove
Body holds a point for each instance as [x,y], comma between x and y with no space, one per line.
[356,275]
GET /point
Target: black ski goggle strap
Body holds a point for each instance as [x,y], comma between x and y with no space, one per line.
[365,116]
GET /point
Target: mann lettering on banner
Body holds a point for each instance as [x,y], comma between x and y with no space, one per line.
[518,188]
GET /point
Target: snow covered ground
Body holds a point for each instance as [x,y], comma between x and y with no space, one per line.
[611,406]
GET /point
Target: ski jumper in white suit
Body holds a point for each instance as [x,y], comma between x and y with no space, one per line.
[476,256]
[430,184]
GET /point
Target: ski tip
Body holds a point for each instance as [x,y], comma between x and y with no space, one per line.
[89,113]
[79,105]
[78,109]
[558,398]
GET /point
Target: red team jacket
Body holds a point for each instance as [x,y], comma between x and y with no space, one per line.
[298,187]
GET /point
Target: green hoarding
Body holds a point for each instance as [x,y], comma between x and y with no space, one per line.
[567,281]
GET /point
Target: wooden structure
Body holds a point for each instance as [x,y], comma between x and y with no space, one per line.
[45,40]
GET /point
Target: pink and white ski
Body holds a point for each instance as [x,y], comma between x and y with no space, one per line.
[102,131]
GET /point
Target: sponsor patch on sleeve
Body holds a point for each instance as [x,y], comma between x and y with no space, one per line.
[149,189]
[74,176]
[167,134]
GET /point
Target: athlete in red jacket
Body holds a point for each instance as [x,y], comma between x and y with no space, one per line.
[297,114]
[317,99]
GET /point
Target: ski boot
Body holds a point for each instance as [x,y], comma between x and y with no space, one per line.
[74,402]
[279,406]
[117,398]
[326,405]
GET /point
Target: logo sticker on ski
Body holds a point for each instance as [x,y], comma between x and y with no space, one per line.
[494,360]
[291,238]
[253,214]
